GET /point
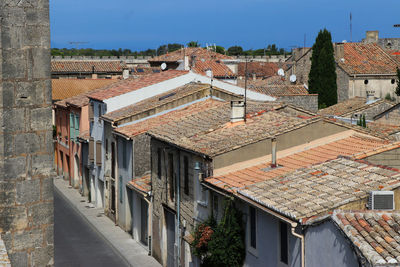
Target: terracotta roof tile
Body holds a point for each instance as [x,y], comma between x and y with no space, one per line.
[375,234]
[219,69]
[100,66]
[200,53]
[66,88]
[150,123]
[129,85]
[158,101]
[211,132]
[274,89]
[354,144]
[310,193]
[261,69]
[353,105]
[142,184]
[367,59]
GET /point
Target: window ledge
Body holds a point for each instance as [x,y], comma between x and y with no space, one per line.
[252,251]
[202,203]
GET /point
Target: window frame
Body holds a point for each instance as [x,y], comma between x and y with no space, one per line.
[170,176]
[186,175]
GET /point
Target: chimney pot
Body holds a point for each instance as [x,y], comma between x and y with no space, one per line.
[273,152]
[237,110]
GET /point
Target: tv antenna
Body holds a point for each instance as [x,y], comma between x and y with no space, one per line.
[77,44]
[351,28]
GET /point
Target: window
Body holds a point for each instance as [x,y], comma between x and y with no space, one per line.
[365,81]
[392,81]
[91,150]
[124,156]
[106,147]
[98,153]
[76,126]
[283,238]
[215,206]
[91,112]
[159,151]
[253,228]
[186,175]
[120,189]
[171,175]
[72,126]
[99,110]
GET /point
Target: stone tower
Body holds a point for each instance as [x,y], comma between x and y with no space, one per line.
[26,148]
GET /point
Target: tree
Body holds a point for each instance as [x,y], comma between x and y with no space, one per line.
[398,82]
[193,44]
[220,49]
[235,50]
[322,76]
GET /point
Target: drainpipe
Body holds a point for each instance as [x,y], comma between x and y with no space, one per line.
[293,225]
[178,199]
[354,81]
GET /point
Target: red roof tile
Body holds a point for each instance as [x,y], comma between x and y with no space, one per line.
[100,66]
[65,88]
[344,147]
[261,69]
[200,53]
[129,85]
[367,59]
[218,68]
[142,184]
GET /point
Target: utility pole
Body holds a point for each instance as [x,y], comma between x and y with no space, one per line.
[245,89]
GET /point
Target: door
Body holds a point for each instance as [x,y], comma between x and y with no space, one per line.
[170,220]
[143,221]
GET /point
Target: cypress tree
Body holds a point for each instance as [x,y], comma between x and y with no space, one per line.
[322,76]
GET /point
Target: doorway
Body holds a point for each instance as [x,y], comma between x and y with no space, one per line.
[170,222]
[144,235]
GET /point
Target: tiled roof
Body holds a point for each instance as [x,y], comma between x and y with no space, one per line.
[366,59]
[150,123]
[200,53]
[383,129]
[315,191]
[261,69]
[218,68]
[211,132]
[65,88]
[376,150]
[85,135]
[130,85]
[140,71]
[395,54]
[346,146]
[158,100]
[352,105]
[376,234]
[142,184]
[274,86]
[101,66]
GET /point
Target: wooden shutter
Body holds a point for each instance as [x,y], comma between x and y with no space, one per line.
[91,111]
[98,153]
[76,126]
[91,150]
[71,127]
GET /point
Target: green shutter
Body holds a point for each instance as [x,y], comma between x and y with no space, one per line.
[76,126]
[71,126]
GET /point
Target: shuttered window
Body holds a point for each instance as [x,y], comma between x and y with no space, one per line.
[186,175]
[171,176]
[91,150]
[71,126]
[98,153]
[76,126]
[91,112]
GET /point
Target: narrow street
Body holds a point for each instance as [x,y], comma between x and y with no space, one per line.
[76,242]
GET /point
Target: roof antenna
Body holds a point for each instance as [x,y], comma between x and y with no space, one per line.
[351,28]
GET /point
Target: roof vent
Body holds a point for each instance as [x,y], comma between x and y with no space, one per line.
[381,200]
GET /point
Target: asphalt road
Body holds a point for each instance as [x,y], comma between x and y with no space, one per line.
[76,243]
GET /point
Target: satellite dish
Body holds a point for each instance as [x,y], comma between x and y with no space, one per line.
[281,72]
[163,66]
[292,78]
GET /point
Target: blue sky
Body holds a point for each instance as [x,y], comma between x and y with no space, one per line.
[253,24]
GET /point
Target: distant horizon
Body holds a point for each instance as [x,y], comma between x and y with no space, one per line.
[251,24]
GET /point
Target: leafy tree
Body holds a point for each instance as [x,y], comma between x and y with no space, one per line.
[235,50]
[220,49]
[193,44]
[226,247]
[398,82]
[322,76]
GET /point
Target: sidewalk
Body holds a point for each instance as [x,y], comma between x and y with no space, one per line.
[133,252]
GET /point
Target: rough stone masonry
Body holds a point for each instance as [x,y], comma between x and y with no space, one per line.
[26,148]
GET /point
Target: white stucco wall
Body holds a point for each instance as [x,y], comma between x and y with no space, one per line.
[381,86]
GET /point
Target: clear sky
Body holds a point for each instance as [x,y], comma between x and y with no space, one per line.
[253,24]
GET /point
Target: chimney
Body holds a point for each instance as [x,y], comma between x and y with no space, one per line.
[254,77]
[94,75]
[209,73]
[339,51]
[125,73]
[273,152]
[372,37]
[193,61]
[237,110]
[186,63]
[370,96]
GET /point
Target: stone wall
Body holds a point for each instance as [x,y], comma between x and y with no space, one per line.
[301,67]
[307,102]
[391,117]
[389,158]
[26,148]
[342,81]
